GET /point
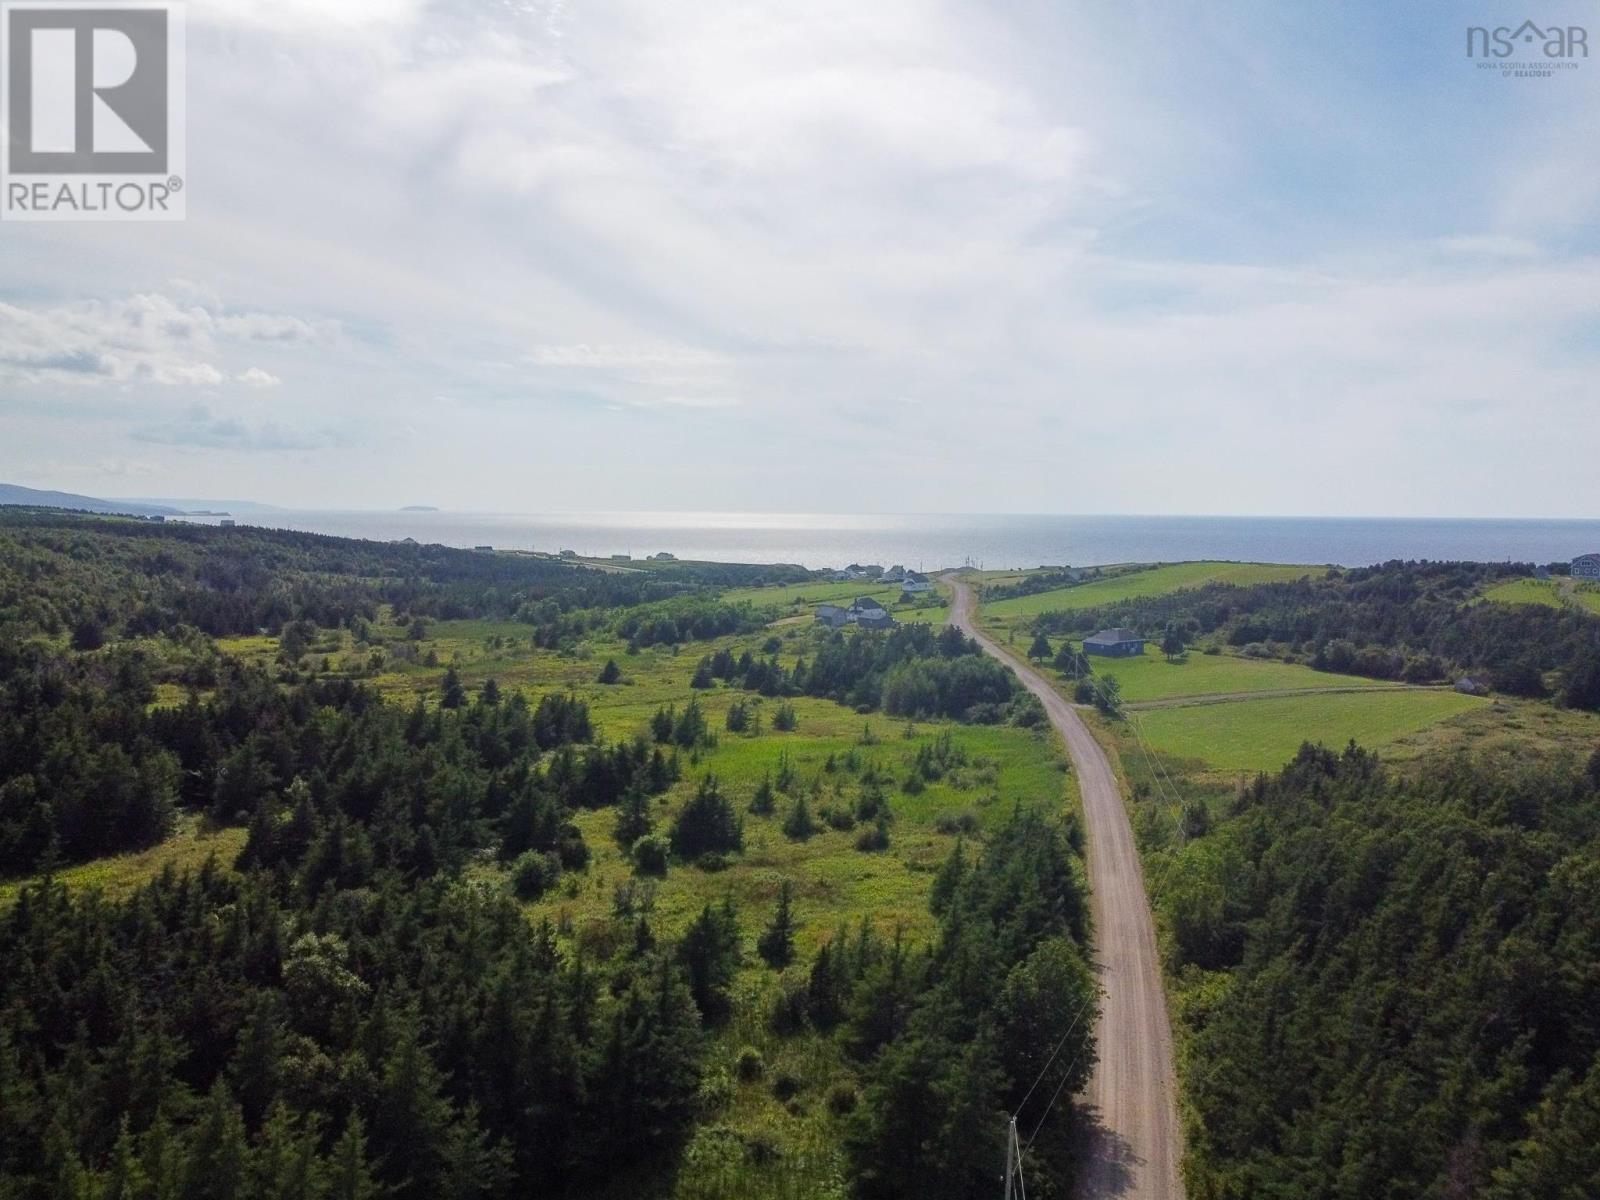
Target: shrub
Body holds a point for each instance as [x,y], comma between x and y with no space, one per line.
[612,673]
[650,855]
[833,817]
[842,1099]
[533,874]
[957,823]
[749,1065]
[716,1091]
[875,837]
[785,1086]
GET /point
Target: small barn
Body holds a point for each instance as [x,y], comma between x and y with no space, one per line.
[1114,643]
[832,616]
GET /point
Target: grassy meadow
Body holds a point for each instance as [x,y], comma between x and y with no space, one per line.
[1010,617]
[1153,582]
[1153,678]
[1262,735]
[801,599]
[1552,593]
[188,848]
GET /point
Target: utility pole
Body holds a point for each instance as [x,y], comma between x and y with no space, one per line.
[1015,1189]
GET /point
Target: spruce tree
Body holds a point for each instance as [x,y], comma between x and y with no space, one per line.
[776,944]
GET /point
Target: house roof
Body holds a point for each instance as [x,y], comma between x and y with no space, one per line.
[1108,637]
[866,604]
[1586,557]
[827,610]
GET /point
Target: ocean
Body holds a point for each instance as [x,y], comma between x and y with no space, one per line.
[931,542]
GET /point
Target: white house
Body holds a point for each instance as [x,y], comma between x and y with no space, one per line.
[916,583]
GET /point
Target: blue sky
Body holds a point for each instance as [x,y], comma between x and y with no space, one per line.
[1032,257]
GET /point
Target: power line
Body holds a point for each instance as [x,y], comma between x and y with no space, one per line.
[1076,1018]
[1065,1076]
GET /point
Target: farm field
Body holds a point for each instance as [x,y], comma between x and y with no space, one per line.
[1152,677]
[1262,735]
[1137,584]
[1552,593]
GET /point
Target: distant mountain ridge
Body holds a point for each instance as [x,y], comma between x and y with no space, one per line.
[186,504]
[11,493]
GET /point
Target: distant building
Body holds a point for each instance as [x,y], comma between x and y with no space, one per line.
[916,583]
[1469,686]
[484,549]
[569,554]
[869,614]
[863,611]
[157,518]
[1586,566]
[622,558]
[894,574]
[226,522]
[832,616]
[1114,643]
[850,574]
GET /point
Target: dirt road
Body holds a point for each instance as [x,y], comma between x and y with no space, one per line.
[1135,1140]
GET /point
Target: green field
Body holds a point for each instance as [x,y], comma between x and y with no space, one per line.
[1553,593]
[187,849]
[1154,678]
[1262,735]
[800,599]
[1138,584]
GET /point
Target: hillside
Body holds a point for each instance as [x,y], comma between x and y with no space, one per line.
[11,493]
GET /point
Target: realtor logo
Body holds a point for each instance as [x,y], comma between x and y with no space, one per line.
[1526,51]
[93,106]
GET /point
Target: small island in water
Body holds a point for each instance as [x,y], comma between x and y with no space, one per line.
[419,508]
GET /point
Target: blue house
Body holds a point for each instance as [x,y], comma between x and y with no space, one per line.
[1115,643]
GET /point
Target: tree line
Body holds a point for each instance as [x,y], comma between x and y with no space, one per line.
[1421,622]
[1406,1000]
[912,671]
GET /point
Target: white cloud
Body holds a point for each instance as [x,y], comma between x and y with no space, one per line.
[1119,260]
[144,338]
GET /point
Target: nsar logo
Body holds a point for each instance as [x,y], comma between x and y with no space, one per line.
[93,108]
[1555,41]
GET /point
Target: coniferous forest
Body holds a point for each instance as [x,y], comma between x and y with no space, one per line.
[354,1007]
[1386,976]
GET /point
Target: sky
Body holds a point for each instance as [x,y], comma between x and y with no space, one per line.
[1041,256]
